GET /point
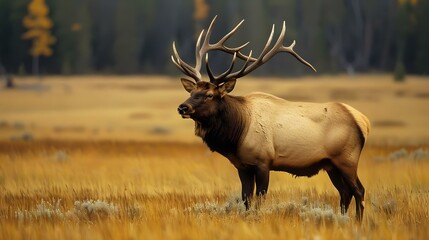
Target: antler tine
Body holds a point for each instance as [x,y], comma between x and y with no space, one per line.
[266,49]
[215,79]
[184,67]
[236,49]
[197,48]
[177,61]
[224,74]
[245,64]
[277,45]
[227,36]
[259,61]
[239,54]
[227,74]
[206,46]
[177,64]
[193,72]
[222,41]
[209,33]
[299,58]
[290,48]
[209,71]
[200,52]
[267,53]
[202,48]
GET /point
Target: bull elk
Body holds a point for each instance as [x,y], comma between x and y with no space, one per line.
[260,132]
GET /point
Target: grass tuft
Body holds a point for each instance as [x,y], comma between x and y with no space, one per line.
[45,210]
[94,210]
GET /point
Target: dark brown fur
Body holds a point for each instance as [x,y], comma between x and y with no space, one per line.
[222,132]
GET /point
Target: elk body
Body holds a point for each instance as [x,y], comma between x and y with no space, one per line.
[260,132]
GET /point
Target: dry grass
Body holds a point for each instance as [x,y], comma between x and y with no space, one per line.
[106,159]
[129,190]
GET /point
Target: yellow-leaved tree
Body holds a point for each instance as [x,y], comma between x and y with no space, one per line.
[201,10]
[200,14]
[38,24]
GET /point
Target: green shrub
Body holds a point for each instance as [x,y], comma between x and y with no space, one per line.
[399,73]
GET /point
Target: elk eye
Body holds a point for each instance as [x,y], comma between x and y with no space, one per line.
[209,95]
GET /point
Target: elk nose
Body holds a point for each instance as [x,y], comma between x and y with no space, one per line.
[183,108]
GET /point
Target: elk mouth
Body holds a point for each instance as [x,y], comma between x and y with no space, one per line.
[186,115]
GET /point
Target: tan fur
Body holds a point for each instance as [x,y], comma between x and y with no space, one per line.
[361,120]
[297,134]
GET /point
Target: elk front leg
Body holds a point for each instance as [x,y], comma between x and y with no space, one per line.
[247,178]
[262,178]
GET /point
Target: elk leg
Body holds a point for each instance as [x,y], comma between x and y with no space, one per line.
[360,204]
[247,178]
[358,193]
[342,187]
[262,178]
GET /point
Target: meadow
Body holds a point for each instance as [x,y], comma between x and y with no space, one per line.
[105,157]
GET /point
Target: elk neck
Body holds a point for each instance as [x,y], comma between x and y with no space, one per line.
[223,131]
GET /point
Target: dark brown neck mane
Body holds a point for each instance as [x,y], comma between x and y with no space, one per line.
[223,131]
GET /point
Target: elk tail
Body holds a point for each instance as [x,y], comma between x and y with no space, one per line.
[361,121]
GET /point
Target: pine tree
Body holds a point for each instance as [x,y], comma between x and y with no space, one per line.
[38,24]
[127,45]
[82,29]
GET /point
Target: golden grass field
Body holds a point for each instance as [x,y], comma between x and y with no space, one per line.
[105,157]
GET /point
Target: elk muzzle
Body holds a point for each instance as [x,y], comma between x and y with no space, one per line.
[185,110]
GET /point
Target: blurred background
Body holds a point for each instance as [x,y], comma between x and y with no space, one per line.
[135,36]
[107,74]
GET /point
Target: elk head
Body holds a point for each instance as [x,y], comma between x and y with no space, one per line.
[206,96]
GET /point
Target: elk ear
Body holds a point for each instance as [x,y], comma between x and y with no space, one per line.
[188,84]
[227,87]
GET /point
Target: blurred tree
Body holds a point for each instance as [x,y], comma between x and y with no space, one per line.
[128,36]
[82,28]
[175,23]
[399,72]
[13,52]
[103,14]
[293,13]
[386,34]
[406,22]
[257,29]
[201,10]
[4,33]
[131,36]
[74,31]
[38,24]
[421,62]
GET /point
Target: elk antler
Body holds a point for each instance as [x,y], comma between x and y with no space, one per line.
[194,72]
[266,54]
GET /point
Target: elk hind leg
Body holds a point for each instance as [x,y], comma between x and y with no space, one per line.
[343,188]
[357,190]
[360,204]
